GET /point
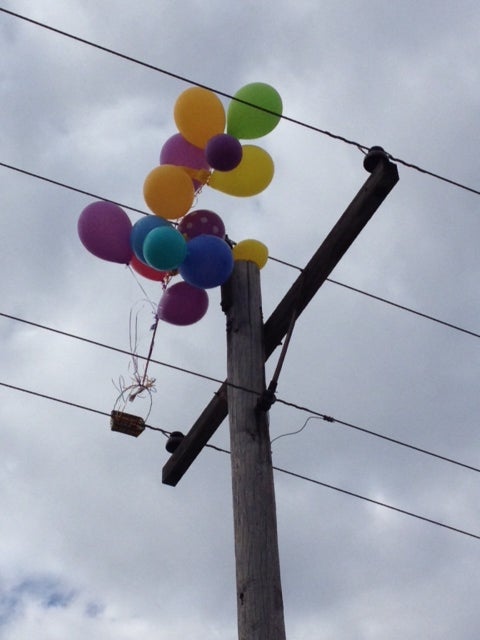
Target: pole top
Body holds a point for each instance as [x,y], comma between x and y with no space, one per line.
[374,156]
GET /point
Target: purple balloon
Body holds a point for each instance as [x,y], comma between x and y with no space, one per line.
[209,262]
[180,152]
[104,229]
[223,152]
[182,304]
[201,221]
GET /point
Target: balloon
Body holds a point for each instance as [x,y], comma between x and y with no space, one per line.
[209,262]
[168,191]
[182,153]
[223,152]
[164,248]
[104,229]
[252,250]
[199,222]
[199,115]
[140,230]
[244,121]
[147,272]
[182,304]
[252,176]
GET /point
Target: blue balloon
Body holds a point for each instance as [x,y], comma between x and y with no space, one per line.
[140,230]
[208,263]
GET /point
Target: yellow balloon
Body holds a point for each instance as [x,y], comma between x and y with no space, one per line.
[168,191]
[252,176]
[199,115]
[251,250]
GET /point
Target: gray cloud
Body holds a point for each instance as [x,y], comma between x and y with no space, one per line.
[87,523]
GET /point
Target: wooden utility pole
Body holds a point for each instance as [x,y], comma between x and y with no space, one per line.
[384,176]
[249,344]
[259,591]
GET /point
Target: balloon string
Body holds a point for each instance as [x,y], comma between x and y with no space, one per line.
[150,351]
[141,287]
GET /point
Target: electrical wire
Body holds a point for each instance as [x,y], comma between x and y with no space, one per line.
[189,81]
[298,407]
[109,347]
[70,187]
[350,425]
[377,502]
[272,258]
[279,469]
[402,307]
[44,396]
[360,497]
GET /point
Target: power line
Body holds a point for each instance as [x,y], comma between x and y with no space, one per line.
[44,396]
[182,78]
[402,307]
[369,432]
[103,345]
[360,497]
[377,502]
[69,187]
[279,469]
[272,258]
[298,407]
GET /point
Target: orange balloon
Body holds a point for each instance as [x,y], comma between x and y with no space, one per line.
[199,115]
[168,191]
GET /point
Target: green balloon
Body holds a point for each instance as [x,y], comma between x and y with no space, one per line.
[246,122]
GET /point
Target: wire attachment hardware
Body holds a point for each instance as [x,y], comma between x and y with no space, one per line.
[268,398]
[174,441]
[374,157]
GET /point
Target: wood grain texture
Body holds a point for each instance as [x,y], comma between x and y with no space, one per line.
[259,593]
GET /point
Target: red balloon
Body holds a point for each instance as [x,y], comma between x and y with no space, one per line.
[147,272]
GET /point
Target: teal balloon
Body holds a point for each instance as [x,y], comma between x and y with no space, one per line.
[164,248]
[141,229]
[246,122]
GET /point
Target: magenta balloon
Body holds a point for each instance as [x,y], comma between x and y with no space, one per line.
[223,152]
[182,304]
[180,152]
[201,221]
[104,229]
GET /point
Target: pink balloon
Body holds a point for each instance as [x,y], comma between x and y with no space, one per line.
[199,222]
[104,229]
[182,153]
[182,304]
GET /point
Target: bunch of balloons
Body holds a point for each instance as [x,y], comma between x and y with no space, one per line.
[175,239]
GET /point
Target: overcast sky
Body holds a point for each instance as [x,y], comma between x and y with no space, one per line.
[92,544]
